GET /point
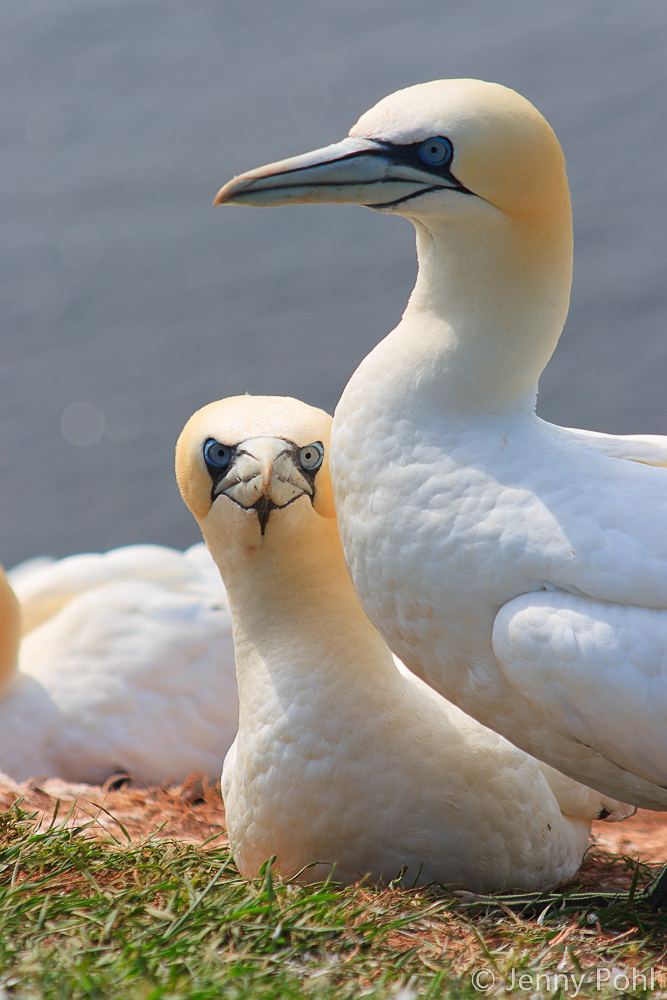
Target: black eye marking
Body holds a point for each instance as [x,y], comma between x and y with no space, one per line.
[217,456]
[434,156]
[311,457]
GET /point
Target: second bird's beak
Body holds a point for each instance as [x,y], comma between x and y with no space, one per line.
[353,171]
[263,477]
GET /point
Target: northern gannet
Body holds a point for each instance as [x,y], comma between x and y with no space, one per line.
[518,566]
[126,663]
[342,759]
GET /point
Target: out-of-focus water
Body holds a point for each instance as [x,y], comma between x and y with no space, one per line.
[127,301]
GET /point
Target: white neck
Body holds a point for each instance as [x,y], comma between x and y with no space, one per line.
[486,311]
[298,624]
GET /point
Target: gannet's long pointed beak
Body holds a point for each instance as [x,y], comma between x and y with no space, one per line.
[264,475]
[353,171]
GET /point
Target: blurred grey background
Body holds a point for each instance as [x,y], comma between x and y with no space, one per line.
[127,301]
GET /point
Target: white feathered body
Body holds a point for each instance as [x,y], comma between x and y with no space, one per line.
[372,770]
[468,514]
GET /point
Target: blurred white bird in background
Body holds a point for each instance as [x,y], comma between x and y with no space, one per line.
[126,663]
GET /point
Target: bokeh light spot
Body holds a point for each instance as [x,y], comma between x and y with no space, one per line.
[82,424]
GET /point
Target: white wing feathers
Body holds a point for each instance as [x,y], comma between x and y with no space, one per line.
[596,671]
[649,449]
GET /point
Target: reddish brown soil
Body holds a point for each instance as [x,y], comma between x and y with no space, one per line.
[643,836]
[190,812]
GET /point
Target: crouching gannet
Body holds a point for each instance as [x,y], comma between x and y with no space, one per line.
[518,566]
[342,759]
[126,663]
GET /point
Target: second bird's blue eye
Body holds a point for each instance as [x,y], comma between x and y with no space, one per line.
[216,455]
[436,152]
[310,457]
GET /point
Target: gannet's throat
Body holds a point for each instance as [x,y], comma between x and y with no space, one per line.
[369,172]
[262,474]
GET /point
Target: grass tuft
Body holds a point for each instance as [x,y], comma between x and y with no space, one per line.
[104,919]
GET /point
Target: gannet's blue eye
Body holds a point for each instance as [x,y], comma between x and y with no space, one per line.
[436,152]
[311,456]
[216,455]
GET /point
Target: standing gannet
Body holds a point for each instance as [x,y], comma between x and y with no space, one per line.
[519,567]
[341,758]
[126,663]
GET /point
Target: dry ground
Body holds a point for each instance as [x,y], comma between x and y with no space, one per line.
[190,812]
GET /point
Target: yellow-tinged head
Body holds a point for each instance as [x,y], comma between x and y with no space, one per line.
[502,149]
[241,460]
